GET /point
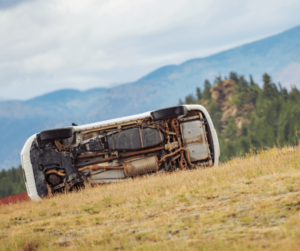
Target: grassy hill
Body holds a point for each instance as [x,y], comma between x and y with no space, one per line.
[249,203]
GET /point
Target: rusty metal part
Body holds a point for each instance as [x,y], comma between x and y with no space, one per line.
[75,184]
[89,135]
[141,136]
[123,156]
[96,167]
[165,131]
[173,165]
[142,166]
[171,146]
[175,126]
[134,139]
[93,167]
[83,156]
[112,126]
[96,161]
[142,152]
[60,146]
[178,150]
[175,158]
[182,162]
[126,155]
[188,156]
[56,172]
[68,187]
[190,118]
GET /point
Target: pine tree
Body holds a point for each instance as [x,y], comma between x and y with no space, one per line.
[190,99]
[267,86]
[206,93]
[251,81]
[243,83]
[218,79]
[180,102]
[198,93]
[233,76]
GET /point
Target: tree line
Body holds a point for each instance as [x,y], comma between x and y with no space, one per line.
[270,114]
[11,182]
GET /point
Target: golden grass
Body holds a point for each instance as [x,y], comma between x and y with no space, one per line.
[251,203]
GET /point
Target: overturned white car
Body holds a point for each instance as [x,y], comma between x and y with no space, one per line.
[180,137]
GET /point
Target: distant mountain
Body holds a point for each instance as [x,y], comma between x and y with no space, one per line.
[278,55]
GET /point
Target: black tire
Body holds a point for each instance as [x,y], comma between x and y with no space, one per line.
[61,133]
[169,112]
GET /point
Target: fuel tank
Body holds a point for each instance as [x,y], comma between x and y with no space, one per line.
[135,139]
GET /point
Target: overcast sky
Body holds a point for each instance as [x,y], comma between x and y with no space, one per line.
[55,44]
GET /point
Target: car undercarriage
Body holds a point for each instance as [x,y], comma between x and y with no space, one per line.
[172,138]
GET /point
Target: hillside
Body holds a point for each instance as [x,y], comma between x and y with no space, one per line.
[250,203]
[278,55]
[248,116]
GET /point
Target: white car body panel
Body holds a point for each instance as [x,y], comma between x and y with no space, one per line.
[28,170]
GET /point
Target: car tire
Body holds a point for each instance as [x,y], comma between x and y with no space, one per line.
[61,133]
[169,112]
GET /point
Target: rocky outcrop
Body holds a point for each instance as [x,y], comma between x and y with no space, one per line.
[222,92]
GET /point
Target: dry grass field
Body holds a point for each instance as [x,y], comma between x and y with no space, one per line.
[251,203]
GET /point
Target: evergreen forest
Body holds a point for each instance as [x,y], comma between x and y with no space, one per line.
[11,182]
[248,117]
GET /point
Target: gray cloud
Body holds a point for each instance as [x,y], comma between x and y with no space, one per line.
[49,45]
[4,4]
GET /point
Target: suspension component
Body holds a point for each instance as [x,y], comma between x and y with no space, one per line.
[182,162]
[178,150]
[175,126]
[60,146]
